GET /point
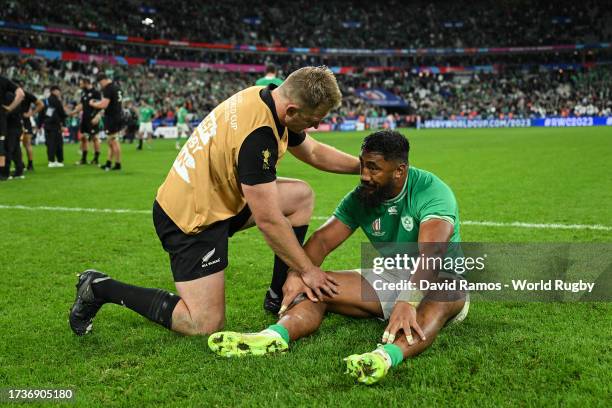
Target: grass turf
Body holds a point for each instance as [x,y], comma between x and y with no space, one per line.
[528,354]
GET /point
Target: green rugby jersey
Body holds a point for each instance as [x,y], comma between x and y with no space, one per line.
[423,197]
[181,116]
[263,81]
[146,114]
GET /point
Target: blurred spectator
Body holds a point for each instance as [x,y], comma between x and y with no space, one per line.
[513,92]
[339,23]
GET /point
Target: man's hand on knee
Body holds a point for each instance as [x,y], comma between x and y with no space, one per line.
[403,318]
[321,283]
[292,289]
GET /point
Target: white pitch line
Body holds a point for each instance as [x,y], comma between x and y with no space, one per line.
[519,224]
[74,209]
[515,224]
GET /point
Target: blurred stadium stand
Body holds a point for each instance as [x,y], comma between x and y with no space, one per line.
[478,59]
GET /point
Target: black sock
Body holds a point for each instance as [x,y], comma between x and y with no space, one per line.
[140,143]
[84,156]
[279,274]
[154,304]
[30,163]
[117,165]
[96,155]
[108,163]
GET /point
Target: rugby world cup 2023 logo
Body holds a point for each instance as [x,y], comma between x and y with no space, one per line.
[377,228]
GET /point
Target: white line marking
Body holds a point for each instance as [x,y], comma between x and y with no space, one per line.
[515,224]
[519,224]
[75,209]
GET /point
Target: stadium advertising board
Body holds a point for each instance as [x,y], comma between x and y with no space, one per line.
[513,123]
[380,97]
[573,121]
[323,127]
[375,122]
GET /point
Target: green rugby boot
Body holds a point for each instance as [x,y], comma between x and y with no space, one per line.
[368,368]
[233,344]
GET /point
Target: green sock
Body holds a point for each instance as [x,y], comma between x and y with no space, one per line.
[282,331]
[395,353]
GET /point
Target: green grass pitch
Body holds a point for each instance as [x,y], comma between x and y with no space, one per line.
[504,354]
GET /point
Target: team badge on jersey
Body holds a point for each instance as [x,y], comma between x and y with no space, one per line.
[407,223]
[376,228]
[266,157]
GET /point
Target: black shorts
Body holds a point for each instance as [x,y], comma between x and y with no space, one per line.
[199,255]
[112,125]
[27,126]
[3,131]
[88,129]
[91,135]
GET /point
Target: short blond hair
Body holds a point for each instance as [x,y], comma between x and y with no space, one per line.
[312,87]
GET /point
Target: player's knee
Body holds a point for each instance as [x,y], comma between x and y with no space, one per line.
[309,195]
[305,197]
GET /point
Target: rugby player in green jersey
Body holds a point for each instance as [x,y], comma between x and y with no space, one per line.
[270,77]
[146,113]
[394,203]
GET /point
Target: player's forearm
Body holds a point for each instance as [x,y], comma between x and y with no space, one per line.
[415,294]
[19,95]
[316,251]
[75,111]
[424,272]
[330,159]
[102,104]
[280,237]
[39,107]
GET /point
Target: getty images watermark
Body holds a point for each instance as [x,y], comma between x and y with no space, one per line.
[490,271]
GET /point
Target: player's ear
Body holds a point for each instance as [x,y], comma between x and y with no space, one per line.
[400,171]
[292,110]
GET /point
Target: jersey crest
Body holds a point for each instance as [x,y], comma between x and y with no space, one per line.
[266,156]
[407,223]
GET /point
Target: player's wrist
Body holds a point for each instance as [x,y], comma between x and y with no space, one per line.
[411,297]
[310,270]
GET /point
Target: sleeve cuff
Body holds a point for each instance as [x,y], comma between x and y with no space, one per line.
[446,218]
[342,220]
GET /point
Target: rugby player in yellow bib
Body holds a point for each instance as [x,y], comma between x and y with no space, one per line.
[224,180]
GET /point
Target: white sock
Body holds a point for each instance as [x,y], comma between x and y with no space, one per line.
[381,352]
[268,332]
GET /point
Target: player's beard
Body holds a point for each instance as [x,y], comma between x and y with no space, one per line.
[374,197]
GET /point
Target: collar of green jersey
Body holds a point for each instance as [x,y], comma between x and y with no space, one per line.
[401,194]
